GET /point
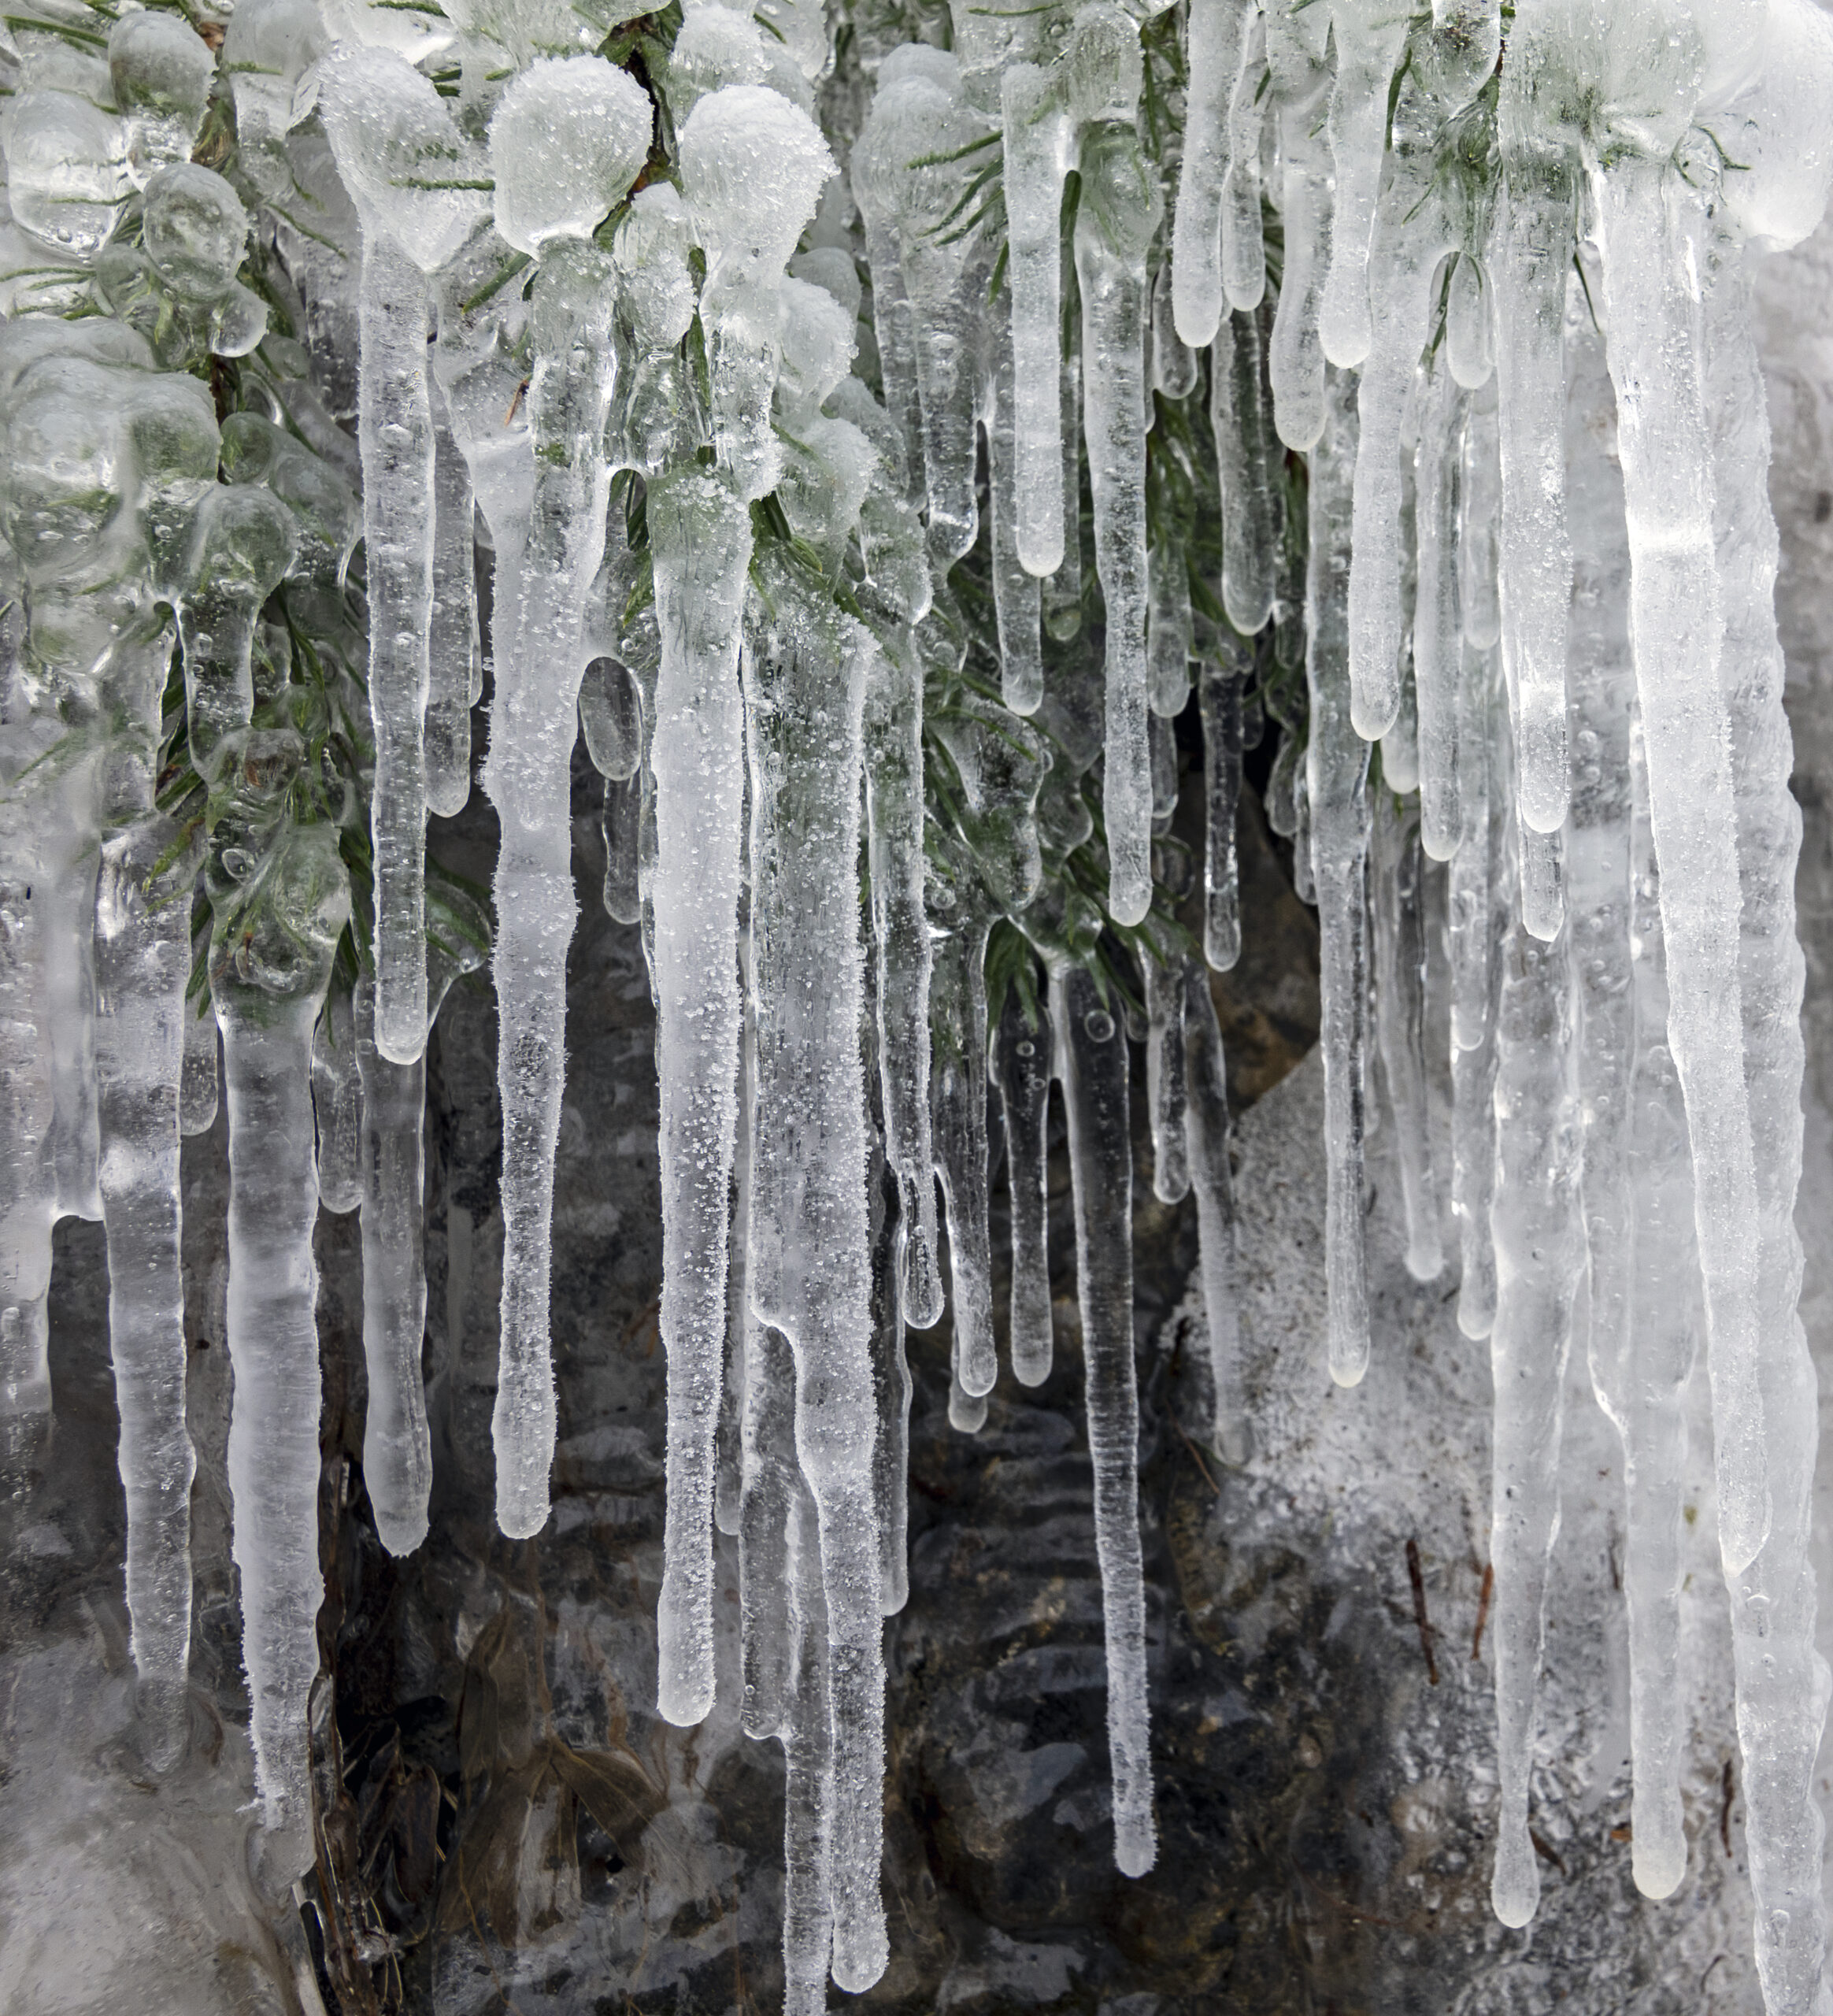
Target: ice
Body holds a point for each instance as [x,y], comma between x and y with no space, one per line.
[809,1267]
[701,537]
[1437,632]
[143,941]
[1397,903]
[1538,1229]
[1091,1062]
[1119,212]
[1247,461]
[957,1007]
[337,1098]
[1206,1140]
[1337,805]
[1217,38]
[160,69]
[1367,36]
[1244,269]
[1024,1053]
[454,652]
[1164,1079]
[1219,700]
[1297,38]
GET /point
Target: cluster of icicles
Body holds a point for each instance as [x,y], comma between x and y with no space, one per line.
[1540,572]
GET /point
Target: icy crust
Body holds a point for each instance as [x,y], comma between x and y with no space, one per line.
[713,386]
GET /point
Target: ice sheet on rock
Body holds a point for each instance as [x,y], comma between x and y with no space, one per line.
[1337,807]
[1115,223]
[1091,1062]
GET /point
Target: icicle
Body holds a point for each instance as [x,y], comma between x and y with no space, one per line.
[1244,254]
[404,164]
[1170,633]
[454,657]
[1164,1079]
[1247,460]
[1062,591]
[1530,256]
[337,1099]
[1219,700]
[1535,1223]
[398,1454]
[700,536]
[1217,38]
[197,1091]
[957,994]
[1206,1137]
[1397,904]
[1118,215]
[1023,1061]
[1479,517]
[805,672]
[769,1488]
[1646,223]
[1436,639]
[1782,1680]
[1297,38]
[893,789]
[142,942]
[1091,1061]
[1543,880]
[1337,802]
[812,1812]
[1480,890]
[1017,602]
[1469,329]
[1367,36]
[1174,363]
[1039,151]
[891,1391]
[596,121]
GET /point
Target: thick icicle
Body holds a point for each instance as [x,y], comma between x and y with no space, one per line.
[1337,797]
[700,536]
[1395,876]
[1367,36]
[1219,684]
[1647,227]
[1206,1137]
[809,1272]
[1023,1063]
[1782,1680]
[1535,1222]
[1217,34]
[1091,1061]
[197,1092]
[894,799]
[1296,40]
[1244,252]
[1247,461]
[596,121]
[142,947]
[1119,213]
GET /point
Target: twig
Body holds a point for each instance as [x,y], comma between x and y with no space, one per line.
[1414,1575]
[1483,1604]
[1725,1809]
[1197,1455]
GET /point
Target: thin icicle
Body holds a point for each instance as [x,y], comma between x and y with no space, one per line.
[1119,213]
[1219,684]
[1397,902]
[892,1388]
[142,944]
[957,994]
[337,1098]
[1165,1078]
[1206,1136]
[1535,1222]
[812,1811]
[1481,890]
[1023,1062]
[1217,37]
[1247,461]
[1091,1061]
[454,654]
[197,1092]
[1337,807]
[1436,637]
[1017,601]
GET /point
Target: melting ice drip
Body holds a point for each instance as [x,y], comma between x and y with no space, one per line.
[1533,559]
